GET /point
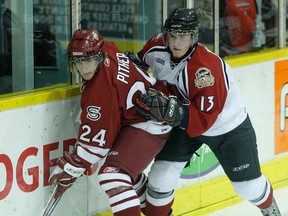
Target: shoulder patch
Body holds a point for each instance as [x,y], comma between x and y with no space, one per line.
[107,62]
[111,170]
[156,38]
[204,78]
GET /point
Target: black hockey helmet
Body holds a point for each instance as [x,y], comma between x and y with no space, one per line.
[183,21]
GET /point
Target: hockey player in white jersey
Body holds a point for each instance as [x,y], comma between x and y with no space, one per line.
[215,114]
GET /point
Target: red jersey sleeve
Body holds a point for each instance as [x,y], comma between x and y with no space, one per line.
[153,42]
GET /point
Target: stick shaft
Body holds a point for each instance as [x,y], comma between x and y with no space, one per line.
[51,203]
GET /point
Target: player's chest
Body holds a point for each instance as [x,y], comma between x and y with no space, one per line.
[164,69]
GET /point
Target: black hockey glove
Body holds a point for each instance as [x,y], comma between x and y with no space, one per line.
[158,107]
[136,60]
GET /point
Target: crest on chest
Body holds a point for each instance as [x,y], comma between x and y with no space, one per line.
[204,78]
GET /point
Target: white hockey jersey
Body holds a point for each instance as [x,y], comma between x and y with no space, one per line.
[205,82]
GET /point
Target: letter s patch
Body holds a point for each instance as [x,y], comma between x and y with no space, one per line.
[93,113]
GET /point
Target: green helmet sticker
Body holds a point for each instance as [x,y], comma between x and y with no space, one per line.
[201,164]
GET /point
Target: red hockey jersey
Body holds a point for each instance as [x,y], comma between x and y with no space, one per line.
[206,83]
[107,103]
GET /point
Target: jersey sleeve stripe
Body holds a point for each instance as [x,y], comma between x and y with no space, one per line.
[182,80]
[224,68]
[185,80]
[87,156]
[225,74]
[96,150]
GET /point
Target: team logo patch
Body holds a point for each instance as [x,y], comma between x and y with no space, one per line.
[111,170]
[107,62]
[204,78]
[93,113]
[113,153]
[244,166]
[156,38]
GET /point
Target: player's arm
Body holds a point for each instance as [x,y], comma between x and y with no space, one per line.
[98,130]
[156,106]
[136,59]
[89,150]
[196,117]
[69,168]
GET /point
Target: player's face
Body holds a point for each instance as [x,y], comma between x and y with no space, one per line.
[87,69]
[179,43]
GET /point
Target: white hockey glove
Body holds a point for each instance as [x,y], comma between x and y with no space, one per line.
[158,107]
[68,169]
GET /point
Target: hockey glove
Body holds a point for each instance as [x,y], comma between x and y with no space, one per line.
[158,107]
[136,60]
[68,169]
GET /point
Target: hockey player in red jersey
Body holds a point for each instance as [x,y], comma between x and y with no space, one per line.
[214,114]
[110,124]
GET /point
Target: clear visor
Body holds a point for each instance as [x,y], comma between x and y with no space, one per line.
[72,61]
[179,40]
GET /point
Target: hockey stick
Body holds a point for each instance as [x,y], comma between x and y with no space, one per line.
[51,203]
